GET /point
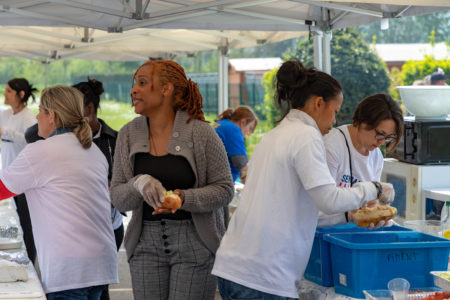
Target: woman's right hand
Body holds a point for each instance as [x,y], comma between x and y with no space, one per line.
[151,189]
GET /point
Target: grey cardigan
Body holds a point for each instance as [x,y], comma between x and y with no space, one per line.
[203,149]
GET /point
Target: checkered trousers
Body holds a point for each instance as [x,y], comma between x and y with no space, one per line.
[171,263]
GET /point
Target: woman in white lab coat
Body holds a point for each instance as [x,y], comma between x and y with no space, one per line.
[267,245]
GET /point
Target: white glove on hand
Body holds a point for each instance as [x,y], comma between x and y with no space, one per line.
[376,226]
[382,223]
[151,189]
[388,193]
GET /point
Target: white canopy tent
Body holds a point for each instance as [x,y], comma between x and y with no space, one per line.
[49,30]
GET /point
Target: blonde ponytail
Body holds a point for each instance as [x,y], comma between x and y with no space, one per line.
[84,133]
[68,106]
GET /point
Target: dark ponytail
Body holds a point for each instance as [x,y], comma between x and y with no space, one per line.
[21,84]
[91,89]
[295,84]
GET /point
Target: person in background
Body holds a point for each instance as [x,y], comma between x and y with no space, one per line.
[170,147]
[233,126]
[65,180]
[353,153]
[268,242]
[105,139]
[419,82]
[438,78]
[13,124]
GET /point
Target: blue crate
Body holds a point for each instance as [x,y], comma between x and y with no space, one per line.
[367,261]
[318,269]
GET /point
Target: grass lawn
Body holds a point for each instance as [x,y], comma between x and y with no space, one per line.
[117,114]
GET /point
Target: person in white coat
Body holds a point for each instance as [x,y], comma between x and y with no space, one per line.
[268,242]
[13,124]
[353,150]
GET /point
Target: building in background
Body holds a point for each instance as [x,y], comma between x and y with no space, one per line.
[244,82]
[244,88]
[395,55]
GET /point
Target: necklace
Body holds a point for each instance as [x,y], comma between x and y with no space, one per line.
[153,145]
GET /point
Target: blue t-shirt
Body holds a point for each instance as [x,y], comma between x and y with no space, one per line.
[233,140]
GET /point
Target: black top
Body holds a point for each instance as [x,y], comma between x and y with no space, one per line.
[174,172]
[106,142]
[31,134]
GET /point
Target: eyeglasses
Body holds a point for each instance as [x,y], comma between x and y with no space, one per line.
[379,136]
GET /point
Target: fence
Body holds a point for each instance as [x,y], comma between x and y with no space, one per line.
[118,87]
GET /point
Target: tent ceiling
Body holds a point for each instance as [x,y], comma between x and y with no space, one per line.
[136,29]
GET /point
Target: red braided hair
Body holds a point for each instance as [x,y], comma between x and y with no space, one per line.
[186,92]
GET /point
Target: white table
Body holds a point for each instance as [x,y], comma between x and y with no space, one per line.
[30,289]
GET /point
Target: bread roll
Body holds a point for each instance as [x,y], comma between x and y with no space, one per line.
[171,201]
[367,215]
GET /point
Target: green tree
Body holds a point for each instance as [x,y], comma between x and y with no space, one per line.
[395,81]
[414,70]
[414,29]
[268,109]
[359,70]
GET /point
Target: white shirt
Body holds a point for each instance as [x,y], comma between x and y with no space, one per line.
[116,216]
[364,167]
[269,238]
[67,192]
[13,133]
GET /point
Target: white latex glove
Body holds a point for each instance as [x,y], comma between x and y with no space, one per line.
[376,226]
[388,194]
[151,189]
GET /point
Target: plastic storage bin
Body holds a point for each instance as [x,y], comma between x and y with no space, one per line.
[367,261]
[318,269]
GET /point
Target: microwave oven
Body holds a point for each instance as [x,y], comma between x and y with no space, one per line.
[411,184]
[424,142]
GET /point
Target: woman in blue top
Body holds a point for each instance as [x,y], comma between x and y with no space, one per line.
[232,126]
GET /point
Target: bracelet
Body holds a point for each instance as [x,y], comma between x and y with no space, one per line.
[379,188]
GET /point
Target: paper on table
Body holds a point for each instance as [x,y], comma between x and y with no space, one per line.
[22,290]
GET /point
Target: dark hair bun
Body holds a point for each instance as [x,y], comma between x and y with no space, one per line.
[96,86]
[292,74]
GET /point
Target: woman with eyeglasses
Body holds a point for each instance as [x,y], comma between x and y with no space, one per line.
[353,153]
[268,241]
[233,126]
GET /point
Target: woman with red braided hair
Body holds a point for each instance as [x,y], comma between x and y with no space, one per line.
[170,147]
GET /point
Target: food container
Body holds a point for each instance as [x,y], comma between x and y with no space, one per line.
[318,269]
[440,281]
[368,261]
[412,295]
[433,227]
[426,102]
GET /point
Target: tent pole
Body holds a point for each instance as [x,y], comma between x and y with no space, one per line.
[222,60]
[326,51]
[318,57]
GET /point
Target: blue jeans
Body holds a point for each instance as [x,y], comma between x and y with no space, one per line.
[87,293]
[232,291]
